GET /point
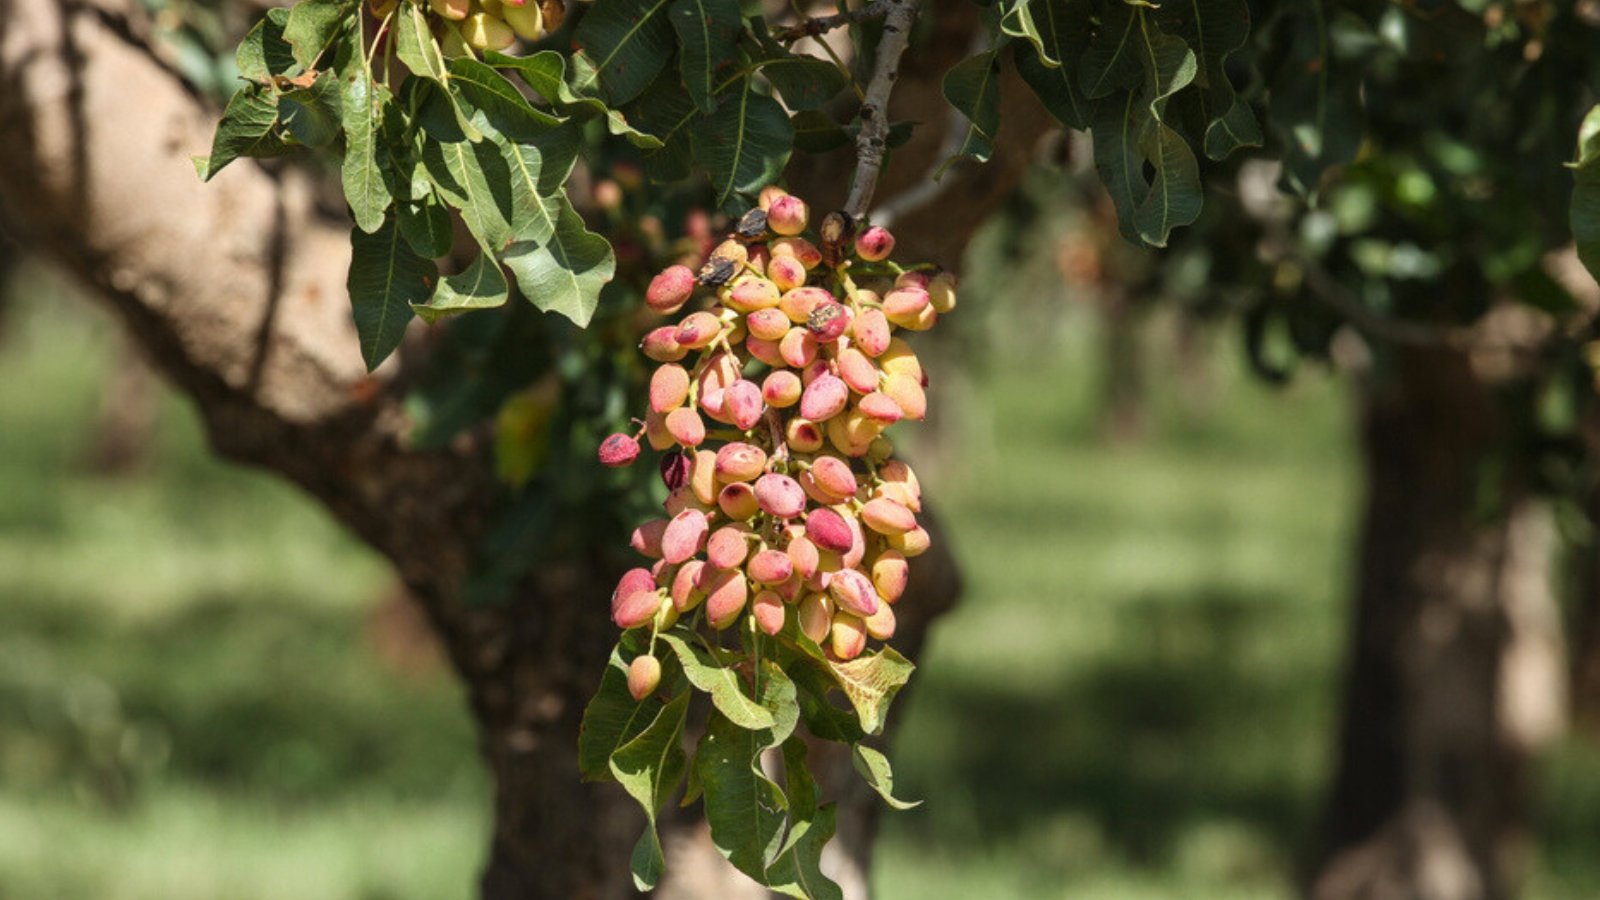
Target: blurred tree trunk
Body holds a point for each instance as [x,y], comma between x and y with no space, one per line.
[236,292]
[1586,637]
[1123,417]
[124,425]
[1454,675]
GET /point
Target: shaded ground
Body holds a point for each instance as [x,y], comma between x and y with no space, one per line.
[196,700]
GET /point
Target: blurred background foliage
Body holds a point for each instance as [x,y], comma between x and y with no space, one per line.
[208,690]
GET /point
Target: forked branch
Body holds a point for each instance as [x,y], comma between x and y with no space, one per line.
[821,25]
[874,135]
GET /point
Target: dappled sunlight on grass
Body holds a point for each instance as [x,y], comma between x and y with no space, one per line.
[1134,701]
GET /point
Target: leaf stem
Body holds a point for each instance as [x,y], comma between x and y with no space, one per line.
[872,141]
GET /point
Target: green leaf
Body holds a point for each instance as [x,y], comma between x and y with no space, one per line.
[630,42]
[1585,213]
[647,863]
[817,132]
[650,767]
[564,274]
[797,871]
[1064,30]
[973,87]
[481,285]
[816,685]
[1215,29]
[1118,159]
[804,81]
[665,111]
[1315,103]
[558,151]
[415,46]
[477,180]
[546,73]
[1130,134]
[708,34]
[723,684]
[312,114]
[1111,62]
[798,784]
[419,52]
[248,128]
[366,187]
[613,717]
[510,112]
[386,278]
[425,224]
[1017,20]
[745,144]
[744,808]
[312,27]
[264,53]
[1175,194]
[871,681]
[874,767]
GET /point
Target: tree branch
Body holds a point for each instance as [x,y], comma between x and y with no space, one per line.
[871,142]
[877,9]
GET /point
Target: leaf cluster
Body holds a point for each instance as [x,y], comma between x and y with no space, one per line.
[760,698]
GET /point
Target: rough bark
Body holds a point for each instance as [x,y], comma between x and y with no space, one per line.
[1454,677]
[235,291]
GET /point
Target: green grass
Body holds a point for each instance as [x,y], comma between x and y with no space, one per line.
[1134,700]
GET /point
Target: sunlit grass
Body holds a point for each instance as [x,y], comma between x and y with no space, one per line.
[1135,699]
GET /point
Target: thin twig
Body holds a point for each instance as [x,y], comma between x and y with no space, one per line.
[808,27]
[1330,292]
[870,143]
[927,189]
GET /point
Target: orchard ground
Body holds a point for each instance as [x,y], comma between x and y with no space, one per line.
[1135,699]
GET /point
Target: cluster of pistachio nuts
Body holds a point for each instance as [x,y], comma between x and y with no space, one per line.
[784,502]
[467,26]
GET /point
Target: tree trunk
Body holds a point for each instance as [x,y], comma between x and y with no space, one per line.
[1122,393]
[235,290]
[1586,576]
[1454,675]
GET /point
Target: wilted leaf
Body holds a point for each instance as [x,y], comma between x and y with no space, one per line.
[874,767]
[871,681]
